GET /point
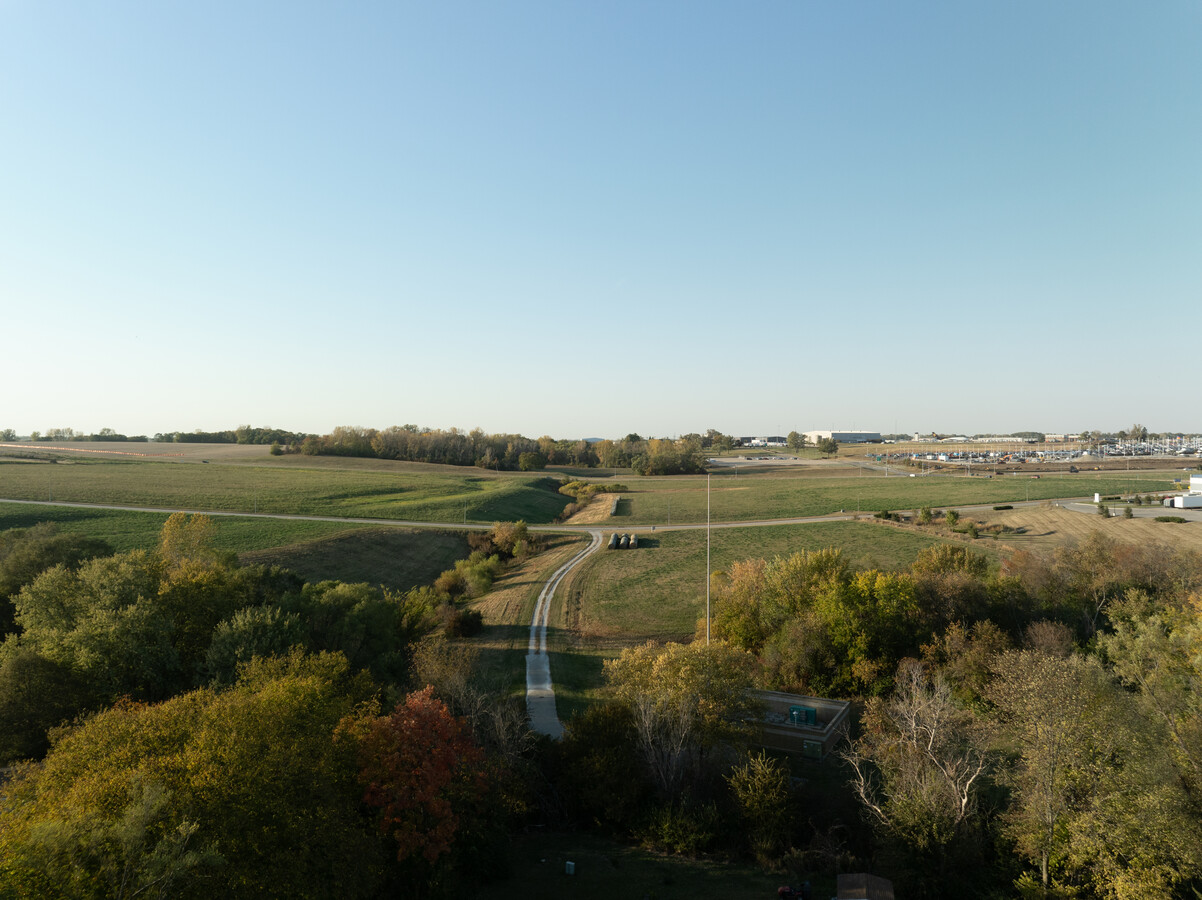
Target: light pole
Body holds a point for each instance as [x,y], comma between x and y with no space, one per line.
[707,559]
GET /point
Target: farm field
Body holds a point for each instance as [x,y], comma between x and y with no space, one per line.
[401,492]
[772,495]
[132,530]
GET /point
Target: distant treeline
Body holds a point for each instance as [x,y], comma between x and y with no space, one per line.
[243,434]
[510,452]
[501,452]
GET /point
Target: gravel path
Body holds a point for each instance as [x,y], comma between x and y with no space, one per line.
[540,693]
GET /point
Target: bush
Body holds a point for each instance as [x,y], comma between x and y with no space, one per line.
[1000,508]
[1177,520]
[458,622]
[952,517]
[1103,510]
[684,826]
[1128,514]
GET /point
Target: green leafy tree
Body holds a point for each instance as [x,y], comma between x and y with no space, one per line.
[25,553]
[252,772]
[685,698]
[796,441]
[916,769]
[1097,803]
[598,768]
[760,787]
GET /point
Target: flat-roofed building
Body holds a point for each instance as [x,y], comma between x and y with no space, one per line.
[845,437]
[795,723]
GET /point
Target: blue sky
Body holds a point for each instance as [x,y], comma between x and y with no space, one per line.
[585,219]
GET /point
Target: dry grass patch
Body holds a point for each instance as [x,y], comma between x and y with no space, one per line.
[1048,527]
[508,608]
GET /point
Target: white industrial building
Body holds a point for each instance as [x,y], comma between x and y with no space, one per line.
[845,437]
[1192,500]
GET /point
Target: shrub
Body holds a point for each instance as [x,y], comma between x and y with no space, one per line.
[1103,510]
[1005,506]
[1177,520]
[683,826]
[1128,514]
[952,517]
[458,622]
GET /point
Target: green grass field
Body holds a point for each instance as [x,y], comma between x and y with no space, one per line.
[619,598]
[403,493]
[658,590]
[396,558]
[766,495]
[131,530]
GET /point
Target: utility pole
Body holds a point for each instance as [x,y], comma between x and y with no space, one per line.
[707,559]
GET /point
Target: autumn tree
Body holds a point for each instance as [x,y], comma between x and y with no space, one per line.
[1096,802]
[685,698]
[251,772]
[419,768]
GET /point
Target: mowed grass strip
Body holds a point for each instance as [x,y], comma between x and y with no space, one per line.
[682,499]
[657,591]
[404,494]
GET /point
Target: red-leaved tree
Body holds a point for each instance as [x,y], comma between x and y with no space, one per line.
[422,771]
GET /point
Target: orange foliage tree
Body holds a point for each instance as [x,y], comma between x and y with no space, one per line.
[421,771]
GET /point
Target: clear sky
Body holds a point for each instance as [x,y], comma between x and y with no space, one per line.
[585,219]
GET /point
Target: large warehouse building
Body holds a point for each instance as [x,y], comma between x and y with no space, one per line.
[845,437]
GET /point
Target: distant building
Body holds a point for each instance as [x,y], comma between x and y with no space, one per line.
[845,437]
[1192,500]
[770,441]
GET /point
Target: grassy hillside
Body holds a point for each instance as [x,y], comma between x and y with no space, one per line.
[619,598]
[401,493]
[129,530]
[394,557]
[658,590]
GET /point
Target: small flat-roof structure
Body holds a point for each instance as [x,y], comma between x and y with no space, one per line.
[795,723]
[862,886]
